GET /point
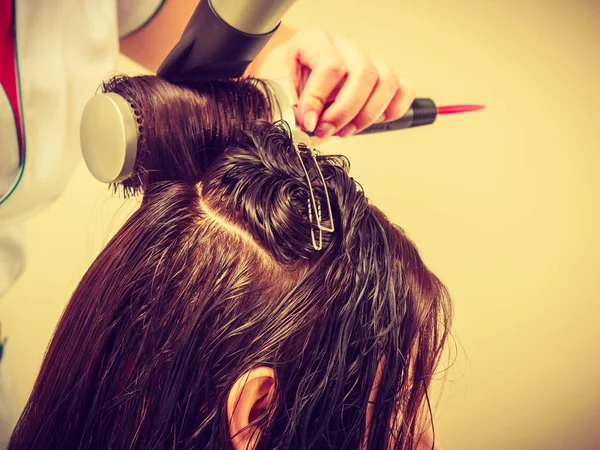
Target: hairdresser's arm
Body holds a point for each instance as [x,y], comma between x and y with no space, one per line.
[150,45]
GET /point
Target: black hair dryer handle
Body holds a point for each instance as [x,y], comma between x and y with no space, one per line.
[423,111]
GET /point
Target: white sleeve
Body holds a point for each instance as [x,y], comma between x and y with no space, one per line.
[134,14]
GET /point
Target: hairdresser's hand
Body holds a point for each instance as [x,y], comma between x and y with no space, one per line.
[328,67]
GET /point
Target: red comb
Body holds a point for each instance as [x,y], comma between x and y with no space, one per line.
[455,109]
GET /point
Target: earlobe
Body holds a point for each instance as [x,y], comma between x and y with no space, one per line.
[250,396]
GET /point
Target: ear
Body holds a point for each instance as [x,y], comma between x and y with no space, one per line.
[249,397]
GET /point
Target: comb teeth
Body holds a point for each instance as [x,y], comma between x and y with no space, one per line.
[456,109]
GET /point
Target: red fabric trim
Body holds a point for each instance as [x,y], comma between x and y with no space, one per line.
[8,63]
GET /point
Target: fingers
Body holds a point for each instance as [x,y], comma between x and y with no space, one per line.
[389,100]
[362,79]
[364,89]
[379,101]
[316,51]
[400,103]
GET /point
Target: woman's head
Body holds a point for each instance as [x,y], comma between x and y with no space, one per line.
[211,315]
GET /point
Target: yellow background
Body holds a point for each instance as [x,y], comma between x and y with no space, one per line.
[503,205]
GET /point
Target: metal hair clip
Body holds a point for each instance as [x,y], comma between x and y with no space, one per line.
[301,142]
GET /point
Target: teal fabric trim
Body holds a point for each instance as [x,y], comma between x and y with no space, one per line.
[23,162]
[2,347]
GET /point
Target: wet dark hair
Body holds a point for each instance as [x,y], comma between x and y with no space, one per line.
[216,274]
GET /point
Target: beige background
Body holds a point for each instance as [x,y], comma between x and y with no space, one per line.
[503,205]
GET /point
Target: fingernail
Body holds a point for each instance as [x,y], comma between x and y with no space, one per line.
[348,130]
[325,130]
[310,121]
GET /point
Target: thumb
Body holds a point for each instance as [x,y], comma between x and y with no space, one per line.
[319,69]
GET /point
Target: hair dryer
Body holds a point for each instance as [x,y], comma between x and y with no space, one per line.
[222,38]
